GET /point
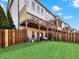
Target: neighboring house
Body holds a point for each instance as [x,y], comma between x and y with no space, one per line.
[37,19]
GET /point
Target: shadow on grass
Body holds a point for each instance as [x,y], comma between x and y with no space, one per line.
[25,45]
[17,47]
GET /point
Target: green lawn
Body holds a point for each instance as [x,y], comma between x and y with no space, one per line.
[43,50]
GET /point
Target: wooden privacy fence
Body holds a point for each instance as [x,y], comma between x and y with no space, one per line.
[2,37]
[10,37]
[65,36]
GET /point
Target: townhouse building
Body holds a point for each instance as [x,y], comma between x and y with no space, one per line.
[38,21]
[38,18]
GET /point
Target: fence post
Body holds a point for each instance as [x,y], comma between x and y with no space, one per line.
[13,36]
[6,38]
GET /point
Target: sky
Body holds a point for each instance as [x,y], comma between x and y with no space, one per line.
[3,3]
[67,10]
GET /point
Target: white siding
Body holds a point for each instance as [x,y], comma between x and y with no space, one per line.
[21,4]
[45,16]
[14,12]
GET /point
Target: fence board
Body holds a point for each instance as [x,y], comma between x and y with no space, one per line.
[14,37]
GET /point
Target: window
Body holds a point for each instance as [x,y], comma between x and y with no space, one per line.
[46,14]
[38,9]
[59,23]
[33,5]
[42,11]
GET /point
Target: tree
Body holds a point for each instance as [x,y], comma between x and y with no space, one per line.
[2,18]
[5,22]
[11,24]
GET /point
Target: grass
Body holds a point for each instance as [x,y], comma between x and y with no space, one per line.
[43,50]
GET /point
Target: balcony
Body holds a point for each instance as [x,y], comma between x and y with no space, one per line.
[65,29]
[32,21]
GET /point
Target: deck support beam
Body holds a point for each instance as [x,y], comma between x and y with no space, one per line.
[26,23]
[39,33]
[47,32]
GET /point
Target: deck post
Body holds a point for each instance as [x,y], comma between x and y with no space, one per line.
[26,30]
[39,33]
[66,36]
[47,32]
[52,34]
[60,35]
[56,35]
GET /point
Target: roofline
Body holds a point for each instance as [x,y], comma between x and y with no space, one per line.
[51,13]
